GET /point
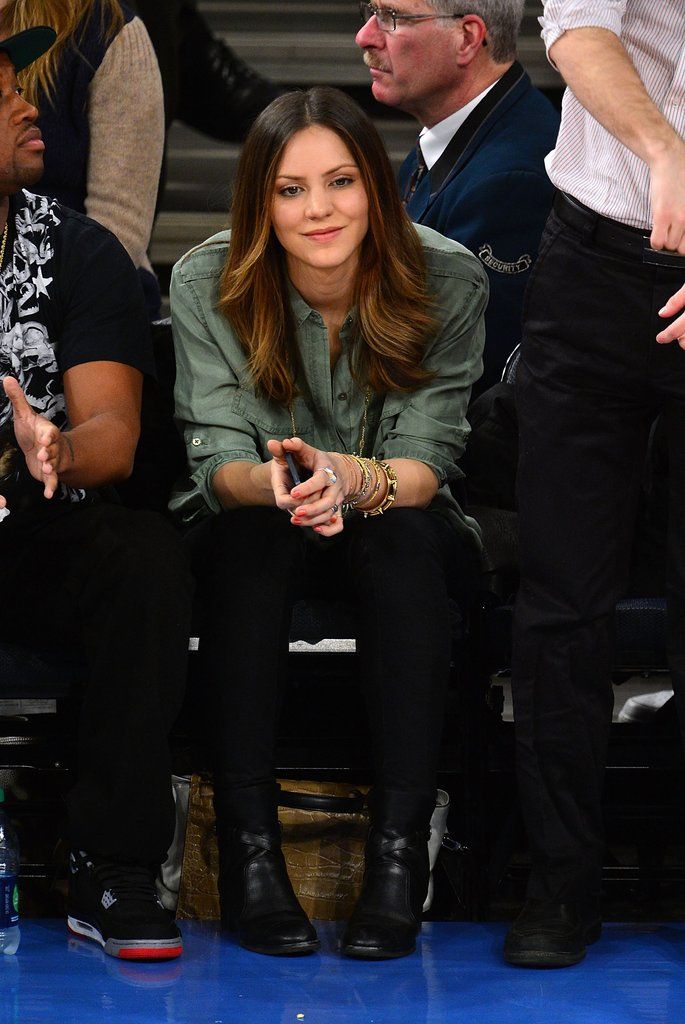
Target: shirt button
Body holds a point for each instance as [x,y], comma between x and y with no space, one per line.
[343,396]
[197,441]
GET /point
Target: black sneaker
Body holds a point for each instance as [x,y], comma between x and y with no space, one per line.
[550,935]
[117,905]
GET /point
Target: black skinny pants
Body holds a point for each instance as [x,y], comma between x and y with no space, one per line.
[117,585]
[591,380]
[252,564]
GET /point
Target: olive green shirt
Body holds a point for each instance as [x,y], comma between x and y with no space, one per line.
[224,420]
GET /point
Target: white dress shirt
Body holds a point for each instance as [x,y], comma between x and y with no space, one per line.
[588,162]
[434,141]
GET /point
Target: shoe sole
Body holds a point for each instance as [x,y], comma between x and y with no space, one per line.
[369,953]
[292,949]
[545,958]
[127,949]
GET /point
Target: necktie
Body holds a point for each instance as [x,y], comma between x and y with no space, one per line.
[416,175]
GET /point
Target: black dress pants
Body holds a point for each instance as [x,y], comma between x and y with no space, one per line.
[252,564]
[590,382]
[117,585]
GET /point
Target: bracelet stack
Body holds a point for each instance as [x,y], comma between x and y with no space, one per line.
[373,474]
[390,493]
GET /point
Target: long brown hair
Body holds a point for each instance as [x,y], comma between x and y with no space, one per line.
[393,318]
[67,17]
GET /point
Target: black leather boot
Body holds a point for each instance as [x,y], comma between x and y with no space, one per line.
[256,895]
[219,94]
[387,917]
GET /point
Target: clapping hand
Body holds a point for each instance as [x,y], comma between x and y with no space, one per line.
[40,440]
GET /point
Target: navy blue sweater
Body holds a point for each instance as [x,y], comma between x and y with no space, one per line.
[64,119]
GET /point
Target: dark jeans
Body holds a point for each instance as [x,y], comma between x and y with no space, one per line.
[252,564]
[590,382]
[117,584]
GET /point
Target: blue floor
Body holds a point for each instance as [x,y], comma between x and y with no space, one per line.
[636,973]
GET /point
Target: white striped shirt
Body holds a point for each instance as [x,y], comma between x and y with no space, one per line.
[588,162]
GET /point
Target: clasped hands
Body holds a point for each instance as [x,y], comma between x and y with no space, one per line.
[43,444]
[316,502]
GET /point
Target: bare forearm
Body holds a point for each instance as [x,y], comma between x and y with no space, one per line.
[243,483]
[97,452]
[416,483]
[598,70]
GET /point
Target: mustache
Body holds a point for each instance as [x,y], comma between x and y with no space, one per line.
[30,134]
[371,63]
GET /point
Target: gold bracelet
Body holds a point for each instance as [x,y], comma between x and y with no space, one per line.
[350,465]
[365,467]
[378,479]
[390,494]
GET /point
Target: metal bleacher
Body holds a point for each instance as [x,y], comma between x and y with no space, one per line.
[297,43]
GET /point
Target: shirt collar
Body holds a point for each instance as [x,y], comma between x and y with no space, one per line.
[301,309]
[434,141]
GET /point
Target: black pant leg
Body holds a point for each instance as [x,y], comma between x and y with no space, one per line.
[675,577]
[403,566]
[584,406]
[245,562]
[118,583]
[251,564]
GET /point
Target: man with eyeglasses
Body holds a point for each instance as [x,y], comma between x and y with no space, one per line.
[477,174]
[603,352]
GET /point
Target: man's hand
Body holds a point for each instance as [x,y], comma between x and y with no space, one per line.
[597,67]
[667,175]
[676,330]
[42,443]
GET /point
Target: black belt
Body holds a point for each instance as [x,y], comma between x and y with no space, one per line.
[612,235]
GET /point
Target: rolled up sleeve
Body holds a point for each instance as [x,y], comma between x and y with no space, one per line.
[205,391]
[561,15]
[430,425]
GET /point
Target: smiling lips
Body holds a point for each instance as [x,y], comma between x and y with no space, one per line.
[323,235]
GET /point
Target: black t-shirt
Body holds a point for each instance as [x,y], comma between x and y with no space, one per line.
[69,294]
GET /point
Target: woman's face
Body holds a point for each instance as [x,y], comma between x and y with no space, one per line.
[320,210]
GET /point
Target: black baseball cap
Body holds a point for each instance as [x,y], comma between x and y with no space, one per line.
[25,47]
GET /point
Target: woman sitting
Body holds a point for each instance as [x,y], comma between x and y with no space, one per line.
[327,327]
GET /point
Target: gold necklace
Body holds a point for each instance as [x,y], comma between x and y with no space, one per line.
[362,433]
[3,244]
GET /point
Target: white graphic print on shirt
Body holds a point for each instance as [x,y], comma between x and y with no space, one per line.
[27,353]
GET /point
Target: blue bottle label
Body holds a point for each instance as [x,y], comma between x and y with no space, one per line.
[9,901]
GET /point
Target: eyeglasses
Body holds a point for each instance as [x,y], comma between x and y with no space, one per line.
[387,18]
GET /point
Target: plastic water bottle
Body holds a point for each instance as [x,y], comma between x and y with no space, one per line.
[9,892]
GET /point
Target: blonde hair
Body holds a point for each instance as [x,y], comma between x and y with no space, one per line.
[394,317]
[68,18]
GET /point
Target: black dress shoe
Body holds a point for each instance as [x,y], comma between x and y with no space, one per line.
[550,935]
[387,917]
[257,897]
